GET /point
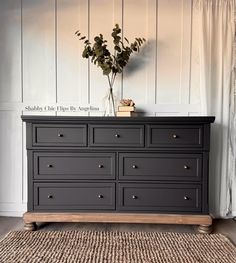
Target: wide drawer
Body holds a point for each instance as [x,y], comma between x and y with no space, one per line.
[48,165]
[74,196]
[175,136]
[160,197]
[160,166]
[59,135]
[116,135]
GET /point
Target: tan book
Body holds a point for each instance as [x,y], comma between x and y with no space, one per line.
[126,108]
[126,114]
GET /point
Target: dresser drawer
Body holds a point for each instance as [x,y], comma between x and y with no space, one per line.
[59,135]
[175,136]
[66,166]
[70,196]
[160,197]
[116,135]
[160,166]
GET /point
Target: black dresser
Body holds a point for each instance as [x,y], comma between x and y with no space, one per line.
[118,169]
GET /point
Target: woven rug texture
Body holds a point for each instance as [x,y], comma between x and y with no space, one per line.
[114,247]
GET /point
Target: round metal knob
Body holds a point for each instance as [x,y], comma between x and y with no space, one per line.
[60,135]
[50,196]
[50,165]
[186,198]
[134,197]
[100,196]
[117,135]
[175,136]
[134,166]
[100,166]
[186,167]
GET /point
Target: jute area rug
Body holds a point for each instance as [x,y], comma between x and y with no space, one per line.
[112,247]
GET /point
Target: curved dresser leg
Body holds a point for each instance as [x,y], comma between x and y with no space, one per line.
[30,226]
[204,229]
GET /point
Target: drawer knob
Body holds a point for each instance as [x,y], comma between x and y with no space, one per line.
[100,166]
[49,165]
[175,136]
[100,196]
[186,198]
[50,196]
[117,136]
[60,135]
[186,167]
[134,166]
[134,197]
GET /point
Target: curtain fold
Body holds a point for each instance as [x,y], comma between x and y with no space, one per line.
[217,89]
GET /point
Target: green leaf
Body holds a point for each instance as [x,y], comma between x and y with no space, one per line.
[126,40]
[117,48]
[106,71]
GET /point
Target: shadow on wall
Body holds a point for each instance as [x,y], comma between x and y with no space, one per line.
[139,60]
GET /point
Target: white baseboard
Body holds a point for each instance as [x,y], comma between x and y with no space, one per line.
[12,209]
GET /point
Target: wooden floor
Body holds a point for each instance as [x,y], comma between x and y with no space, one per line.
[225,227]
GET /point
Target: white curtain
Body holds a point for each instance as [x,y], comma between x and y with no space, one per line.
[217,33]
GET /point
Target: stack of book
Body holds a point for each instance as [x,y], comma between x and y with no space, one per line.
[126,111]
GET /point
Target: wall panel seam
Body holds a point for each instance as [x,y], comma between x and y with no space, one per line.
[21,50]
[56,53]
[156,53]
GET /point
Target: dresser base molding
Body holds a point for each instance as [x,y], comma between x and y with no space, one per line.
[204,221]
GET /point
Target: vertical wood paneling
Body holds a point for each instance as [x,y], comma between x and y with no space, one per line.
[10,51]
[139,75]
[104,15]
[186,51]
[169,51]
[39,72]
[72,69]
[195,61]
[10,157]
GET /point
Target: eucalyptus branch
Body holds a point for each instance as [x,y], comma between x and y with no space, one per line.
[102,57]
[109,81]
[110,64]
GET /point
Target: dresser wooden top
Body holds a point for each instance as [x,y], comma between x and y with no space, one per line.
[86,119]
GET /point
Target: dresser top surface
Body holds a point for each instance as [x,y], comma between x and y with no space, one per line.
[152,120]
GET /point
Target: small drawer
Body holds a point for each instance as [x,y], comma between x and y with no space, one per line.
[175,136]
[74,196]
[48,165]
[59,135]
[160,197]
[116,135]
[160,166]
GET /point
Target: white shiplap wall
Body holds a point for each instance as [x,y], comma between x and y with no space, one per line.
[41,64]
